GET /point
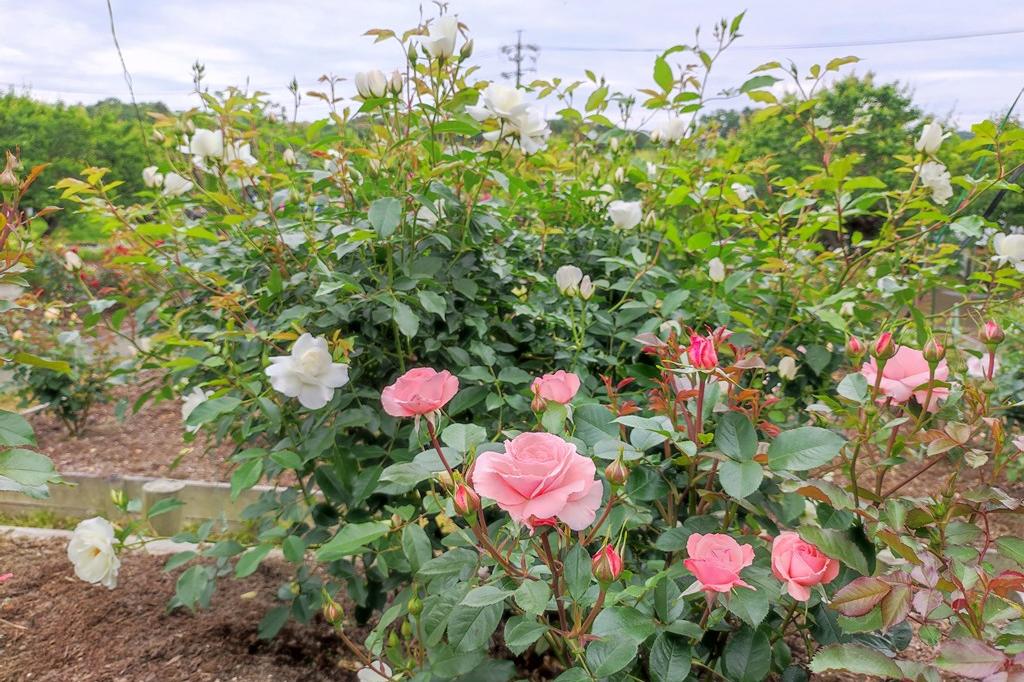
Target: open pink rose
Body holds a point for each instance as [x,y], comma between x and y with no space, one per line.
[540,477]
[558,387]
[904,372]
[716,560]
[801,565]
[419,391]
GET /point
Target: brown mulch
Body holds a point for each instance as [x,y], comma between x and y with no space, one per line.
[56,628]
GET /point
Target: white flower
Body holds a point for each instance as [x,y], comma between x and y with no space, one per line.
[716,270]
[787,368]
[440,42]
[72,261]
[91,551]
[499,101]
[239,151]
[371,84]
[152,178]
[368,674]
[930,140]
[652,170]
[620,174]
[175,185]
[586,288]
[568,278]
[846,309]
[190,402]
[529,131]
[935,177]
[614,144]
[669,131]
[1009,248]
[207,143]
[978,367]
[396,82]
[289,157]
[744,192]
[308,373]
[625,215]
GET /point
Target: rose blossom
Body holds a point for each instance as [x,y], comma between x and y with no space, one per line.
[91,551]
[557,387]
[539,477]
[308,372]
[903,373]
[702,353]
[716,560]
[606,564]
[801,565]
[419,391]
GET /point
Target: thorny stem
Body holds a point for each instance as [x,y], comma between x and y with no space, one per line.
[556,576]
[437,446]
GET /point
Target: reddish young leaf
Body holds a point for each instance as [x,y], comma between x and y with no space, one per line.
[971,658]
[895,606]
[860,596]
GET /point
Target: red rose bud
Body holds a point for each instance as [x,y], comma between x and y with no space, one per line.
[702,353]
[606,565]
[933,351]
[884,347]
[617,472]
[854,347]
[992,334]
[465,500]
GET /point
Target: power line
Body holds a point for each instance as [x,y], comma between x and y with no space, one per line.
[803,46]
[517,54]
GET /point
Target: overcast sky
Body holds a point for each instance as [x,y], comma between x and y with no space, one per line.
[62,49]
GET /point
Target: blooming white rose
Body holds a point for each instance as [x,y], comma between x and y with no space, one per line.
[1009,248]
[935,177]
[190,402]
[528,131]
[72,261]
[91,551]
[716,270]
[568,278]
[368,674]
[239,151]
[440,43]
[371,84]
[151,177]
[787,368]
[669,131]
[744,192]
[625,215]
[930,140]
[499,101]
[289,157]
[207,143]
[308,373]
[176,185]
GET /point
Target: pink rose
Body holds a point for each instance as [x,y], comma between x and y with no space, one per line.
[702,352]
[801,565]
[539,477]
[558,387]
[903,373]
[716,560]
[419,391]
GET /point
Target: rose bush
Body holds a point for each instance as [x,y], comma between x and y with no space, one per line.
[579,398]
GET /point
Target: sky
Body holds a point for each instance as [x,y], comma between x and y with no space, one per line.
[62,49]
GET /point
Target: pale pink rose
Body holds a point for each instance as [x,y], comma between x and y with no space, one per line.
[977,368]
[538,478]
[419,391]
[558,387]
[903,373]
[801,565]
[716,560]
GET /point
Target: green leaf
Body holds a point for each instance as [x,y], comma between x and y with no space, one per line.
[750,606]
[385,214]
[464,437]
[485,595]
[245,477]
[433,303]
[609,656]
[211,409]
[14,430]
[416,546]
[735,436]
[757,82]
[23,469]
[669,660]
[521,633]
[748,656]
[854,387]
[458,127]
[272,622]
[740,479]
[250,561]
[470,628]
[293,548]
[1012,548]
[804,448]
[192,586]
[163,506]
[856,659]
[351,538]
[663,74]
[452,562]
[53,365]
[839,545]
[618,622]
[594,424]
[577,571]
[408,322]
[533,596]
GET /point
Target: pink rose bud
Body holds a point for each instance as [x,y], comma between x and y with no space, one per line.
[617,472]
[419,391]
[884,347]
[557,387]
[538,478]
[854,347]
[606,565]
[992,334]
[702,352]
[465,500]
[801,565]
[333,611]
[716,560]
[933,351]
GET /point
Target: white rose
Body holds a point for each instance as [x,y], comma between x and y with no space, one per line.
[190,402]
[499,101]
[440,43]
[370,84]
[1009,248]
[930,140]
[586,288]
[935,177]
[568,278]
[742,191]
[239,151]
[289,157]
[620,174]
[151,177]
[308,373]
[396,82]
[669,131]
[368,674]
[72,261]
[91,551]
[787,368]
[207,143]
[176,185]
[625,215]
[652,170]
[528,130]
[716,270]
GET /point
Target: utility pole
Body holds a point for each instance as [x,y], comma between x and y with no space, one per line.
[517,54]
